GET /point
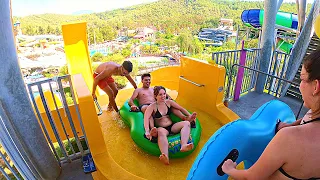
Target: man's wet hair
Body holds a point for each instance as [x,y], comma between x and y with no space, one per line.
[145,75]
[127,65]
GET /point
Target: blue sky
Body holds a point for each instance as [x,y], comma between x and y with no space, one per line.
[28,7]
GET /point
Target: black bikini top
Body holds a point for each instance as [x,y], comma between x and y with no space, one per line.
[316,119]
[159,115]
[291,177]
[284,172]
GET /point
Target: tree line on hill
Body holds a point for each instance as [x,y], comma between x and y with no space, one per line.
[170,16]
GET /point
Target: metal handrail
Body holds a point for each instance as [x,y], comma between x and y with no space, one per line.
[98,106]
[194,83]
[261,72]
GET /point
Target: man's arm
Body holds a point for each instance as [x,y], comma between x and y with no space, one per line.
[133,97]
[131,81]
[96,80]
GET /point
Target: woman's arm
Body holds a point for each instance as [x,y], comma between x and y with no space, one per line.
[177,106]
[273,157]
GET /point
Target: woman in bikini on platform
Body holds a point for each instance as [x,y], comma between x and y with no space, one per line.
[294,152]
[160,111]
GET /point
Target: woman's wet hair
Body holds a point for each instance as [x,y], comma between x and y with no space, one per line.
[157,89]
[312,65]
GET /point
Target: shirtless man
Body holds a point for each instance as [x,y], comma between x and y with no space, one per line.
[103,78]
[145,97]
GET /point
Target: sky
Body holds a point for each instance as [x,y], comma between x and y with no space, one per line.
[29,7]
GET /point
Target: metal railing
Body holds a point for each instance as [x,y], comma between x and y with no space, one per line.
[281,80]
[60,87]
[189,81]
[278,67]
[7,168]
[228,58]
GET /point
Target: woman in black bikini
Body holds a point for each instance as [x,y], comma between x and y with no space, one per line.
[160,111]
[294,153]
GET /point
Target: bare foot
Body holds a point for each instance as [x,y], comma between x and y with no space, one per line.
[192,117]
[186,147]
[154,132]
[163,158]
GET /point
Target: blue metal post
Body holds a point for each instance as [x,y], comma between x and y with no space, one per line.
[16,105]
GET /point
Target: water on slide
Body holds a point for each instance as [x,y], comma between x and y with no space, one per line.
[134,160]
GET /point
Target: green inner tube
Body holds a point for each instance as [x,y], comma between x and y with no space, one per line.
[135,121]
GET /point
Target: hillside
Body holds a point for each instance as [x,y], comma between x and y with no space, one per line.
[169,15]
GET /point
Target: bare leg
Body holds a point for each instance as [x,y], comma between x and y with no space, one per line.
[112,101]
[114,88]
[163,145]
[179,114]
[183,117]
[184,128]
[144,108]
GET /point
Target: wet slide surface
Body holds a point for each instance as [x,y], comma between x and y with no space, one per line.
[134,160]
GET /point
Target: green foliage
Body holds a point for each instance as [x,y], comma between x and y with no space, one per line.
[253,43]
[135,69]
[126,52]
[95,65]
[117,58]
[97,57]
[69,98]
[120,81]
[68,147]
[167,15]
[188,43]
[147,49]
[63,70]
[134,41]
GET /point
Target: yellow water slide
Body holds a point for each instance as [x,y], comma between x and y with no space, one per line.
[76,50]
[196,85]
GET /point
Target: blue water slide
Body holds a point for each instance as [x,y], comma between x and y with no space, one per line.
[255,17]
[244,140]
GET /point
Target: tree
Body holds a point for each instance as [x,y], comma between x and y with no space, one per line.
[50,30]
[40,30]
[126,52]
[29,30]
[63,70]
[57,31]
[97,57]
